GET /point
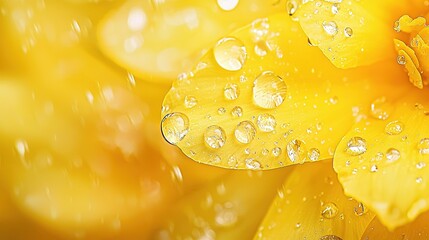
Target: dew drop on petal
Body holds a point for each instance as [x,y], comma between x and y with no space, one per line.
[360,209]
[329,210]
[393,154]
[374,168]
[348,32]
[269,90]
[401,60]
[335,8]
[227,5]
[190,101]
[296,151]
[356,146]
[230,54]
[394,128]
[253,164]
[221,110]
[276,151]
[423,146]
[245,132]
[237,111]
[214,137]
[420,165]
[231,91]
[378,109]
[330,27]
[174,127]
[419,180]
[266,122]
[330,237]
[291,7]
[313,154]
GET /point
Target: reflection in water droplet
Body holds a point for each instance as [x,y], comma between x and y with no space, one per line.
[329,210]
[394,128]
[190,101]
[231,91]
[393,154]
[245,132]
[230,54]
[330,27]
[356,146]
[266,122]
[269,90]
[237,111]
[379,109]
[174,127]
[296,151]
[313,154]
[423,146]
[214,137]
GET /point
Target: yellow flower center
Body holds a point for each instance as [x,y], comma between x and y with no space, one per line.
[415,55]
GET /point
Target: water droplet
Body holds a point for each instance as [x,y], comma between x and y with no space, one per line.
[291,7]
[397,26]
[231,91]
[360,209]
[374,168]
[237,111]
[423,146]
[335,8]
[419,180]
[296,151]
[269,90]
[216,159]
[21,147]
[215,137]
[226,217]
[227,5]
[420,165]
[393,154]
[253,164]
[330,27]
[298,225]
[266,122]
[330,237]
[174,127]
[245,132]
[221,110]
[401,60]
[313,154]
[356,146]
[230,54]
[394,128]
[379,109]
[329,210]
[348,32]
[190,101]
[276,151]
[265,152]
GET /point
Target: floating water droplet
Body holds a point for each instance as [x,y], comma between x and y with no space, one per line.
[313,154]
[227,5]
[356,146]
[237,111]
[231,91]
[335,8]
[394,128]
[174,127]
[401,60]
[296,151]
[393,154]
[245,132]
[215,137]
[330,237]
[269,90]
[266,122]
[330,27]
[291,7]
[253,164]
[360,209]
[329,210]
[348,32]
[423,146]
[230,54]
[276,151]
[190,101]
[374,168]
[379,108]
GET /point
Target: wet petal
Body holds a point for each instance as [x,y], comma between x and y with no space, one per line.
[311,205]
[383,162]
[157,40]
[416,230]
[229,208]
[278,108]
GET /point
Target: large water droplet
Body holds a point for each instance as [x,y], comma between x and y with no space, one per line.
[394,128]
[174,127]
[330,27]
[269,90]
[227,5]
[231,91]
[379,109]
[214,137]
[356,146]
[329,210]
[245,132]
[296,151]
[393,154]
[230,54]
[266,122]
[423,146]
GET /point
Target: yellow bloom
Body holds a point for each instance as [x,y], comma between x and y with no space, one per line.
[265,97]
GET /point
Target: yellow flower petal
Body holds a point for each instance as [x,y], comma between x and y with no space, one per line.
[229,208]
[416,230]
[271,108]
[311,205]
[383,163]
[157,40]
[346,32]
